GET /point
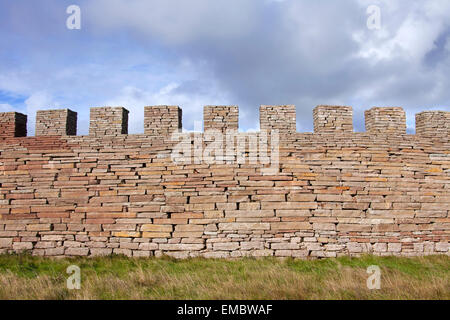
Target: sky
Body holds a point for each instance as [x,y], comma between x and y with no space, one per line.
[135,53]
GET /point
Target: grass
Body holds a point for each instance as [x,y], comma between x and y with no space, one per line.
[119,277]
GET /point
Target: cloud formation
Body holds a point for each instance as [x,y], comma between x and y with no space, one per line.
[247,52]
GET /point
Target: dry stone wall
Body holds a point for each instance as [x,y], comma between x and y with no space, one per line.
[162,120]
[108,121]
[281,118]
[220,118]
[13,124]
[334,192]
[386,120]
[333,119]
[56,122]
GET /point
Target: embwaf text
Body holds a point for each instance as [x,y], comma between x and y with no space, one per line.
[225,309]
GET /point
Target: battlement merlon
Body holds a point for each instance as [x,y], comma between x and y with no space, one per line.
[282,118]
[162,120]
[108,121]
[433,123]
[58,122]
[333,119]
[13,124]
[387,120]
[221,118]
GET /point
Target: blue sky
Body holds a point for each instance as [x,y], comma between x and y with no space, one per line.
[243,52]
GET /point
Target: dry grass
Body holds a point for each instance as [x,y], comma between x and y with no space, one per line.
[25,277]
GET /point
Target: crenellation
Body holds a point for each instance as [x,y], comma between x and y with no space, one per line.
[433,123]
[13,124]
[220,118]
[333,119]
[387,120]
[281,118]
[108,121]
[56,122]
[162,120]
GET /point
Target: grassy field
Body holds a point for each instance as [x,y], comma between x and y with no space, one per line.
[118,277]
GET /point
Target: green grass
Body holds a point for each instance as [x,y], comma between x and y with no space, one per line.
[119,277]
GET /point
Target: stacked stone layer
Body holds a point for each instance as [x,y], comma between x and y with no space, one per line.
[390,120]
[162,120]
[433,123]
[221,118]
[281,118]
[333,119]
[332,195]
[13,124]
[56,122]
[108,121]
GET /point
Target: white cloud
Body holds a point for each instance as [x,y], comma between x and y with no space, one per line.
[420,26]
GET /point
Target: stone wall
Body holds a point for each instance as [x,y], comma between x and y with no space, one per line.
[108,121]
[333,119]
[162,120]
[386,120]
[430,123]
[334,192]
[56,122]
[281,118]
[220,118]
[13,124]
